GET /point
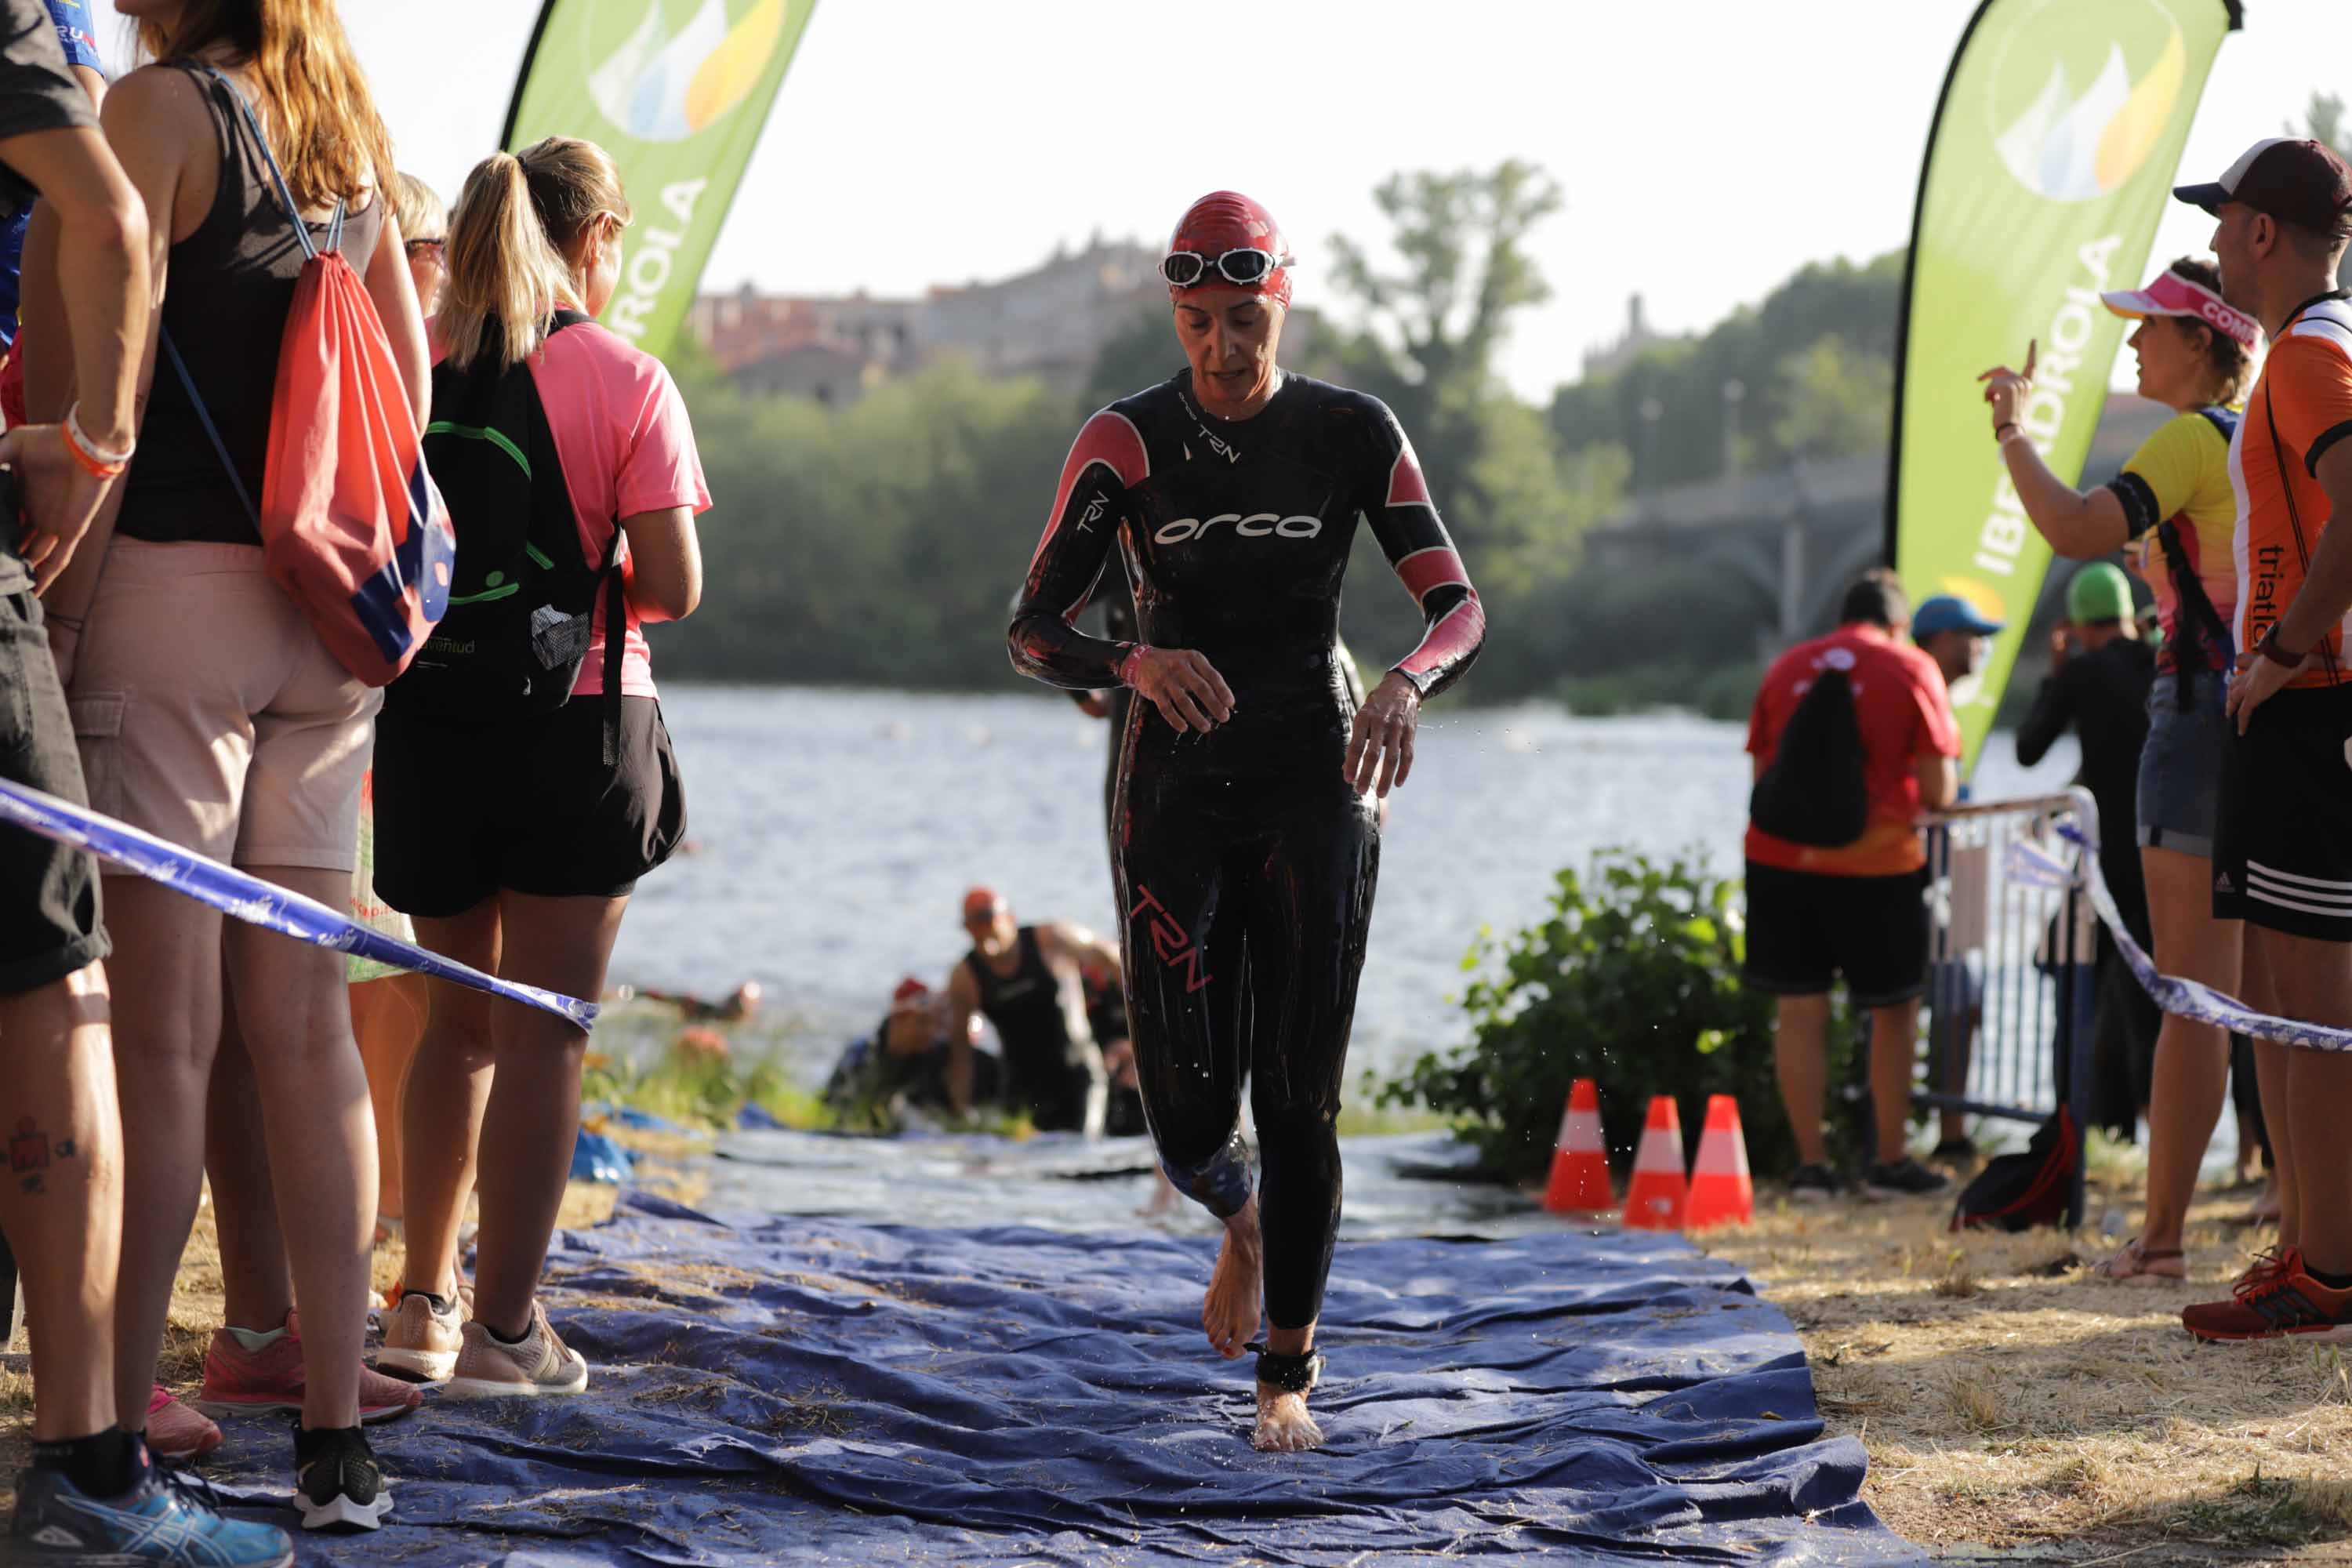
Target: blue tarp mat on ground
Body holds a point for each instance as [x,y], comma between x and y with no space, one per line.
[796,1391]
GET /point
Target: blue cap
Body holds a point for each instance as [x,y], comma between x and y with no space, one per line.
[1944,612]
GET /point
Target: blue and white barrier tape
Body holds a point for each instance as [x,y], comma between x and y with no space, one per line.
[2184,998]
[253,900]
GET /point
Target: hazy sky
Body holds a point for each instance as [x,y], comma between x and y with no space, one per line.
[1706,147]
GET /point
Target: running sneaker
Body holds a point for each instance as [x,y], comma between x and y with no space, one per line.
[1903,1178]
[164,1517]
[242,1381]
[422,1337]
[2267,1264]
[489,1368]
[176,1432]
[335,1472]
[1816,1185]
[2272,1301]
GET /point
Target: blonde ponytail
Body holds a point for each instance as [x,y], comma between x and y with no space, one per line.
[515,221]
[505,278]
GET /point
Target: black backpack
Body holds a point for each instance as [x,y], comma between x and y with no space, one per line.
[2018,1192]
[523,595]
[1814,792]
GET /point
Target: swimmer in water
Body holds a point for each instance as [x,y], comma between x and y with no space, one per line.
[1244,830]
[741,1004]
[903,1064]
[1027,981]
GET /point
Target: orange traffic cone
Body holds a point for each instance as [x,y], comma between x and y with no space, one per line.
[1720,1190]
[1653,1200]
[1579,1163]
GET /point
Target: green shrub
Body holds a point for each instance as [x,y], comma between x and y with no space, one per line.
[1631,980]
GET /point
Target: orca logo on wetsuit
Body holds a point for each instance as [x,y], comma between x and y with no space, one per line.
[1252,525]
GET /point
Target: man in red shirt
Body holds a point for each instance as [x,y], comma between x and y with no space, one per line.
[1855,909]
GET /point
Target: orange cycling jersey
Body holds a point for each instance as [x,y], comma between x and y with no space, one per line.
[2301,407]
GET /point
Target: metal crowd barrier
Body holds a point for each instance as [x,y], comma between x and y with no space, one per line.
[2012,952]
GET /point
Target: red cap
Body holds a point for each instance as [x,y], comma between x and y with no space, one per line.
[2302,182]
[910,987]
[1228,220]
[981,904]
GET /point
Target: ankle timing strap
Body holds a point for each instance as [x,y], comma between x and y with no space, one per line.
[1287,1374]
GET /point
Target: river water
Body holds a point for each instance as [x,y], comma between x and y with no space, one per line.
[835,832]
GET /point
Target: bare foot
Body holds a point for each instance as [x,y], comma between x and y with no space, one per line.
[2136,1263]
[1231,1310]
[1284,1426]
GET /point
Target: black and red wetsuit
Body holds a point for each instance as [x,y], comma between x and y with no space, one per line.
[1245,858]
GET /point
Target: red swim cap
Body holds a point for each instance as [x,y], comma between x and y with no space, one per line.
[1228,220]
[910,987]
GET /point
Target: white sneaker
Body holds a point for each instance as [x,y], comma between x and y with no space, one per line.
[488,1368]
[421,1340]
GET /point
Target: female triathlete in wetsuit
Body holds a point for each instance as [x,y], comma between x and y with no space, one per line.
[1243,834]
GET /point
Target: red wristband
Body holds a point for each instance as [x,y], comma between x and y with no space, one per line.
[1127,664]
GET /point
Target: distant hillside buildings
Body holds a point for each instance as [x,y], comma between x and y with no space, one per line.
[1638,336]
[1050,322]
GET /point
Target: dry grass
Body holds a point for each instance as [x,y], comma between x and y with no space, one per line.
[2017,1409]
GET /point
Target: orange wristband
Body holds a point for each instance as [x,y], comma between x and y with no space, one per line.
[99,467]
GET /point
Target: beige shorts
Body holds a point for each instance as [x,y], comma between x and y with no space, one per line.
[210,714]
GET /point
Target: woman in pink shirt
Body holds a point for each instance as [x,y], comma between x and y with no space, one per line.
[523,778]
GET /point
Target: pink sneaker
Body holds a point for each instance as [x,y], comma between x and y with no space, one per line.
[176,1432]
[239,1381]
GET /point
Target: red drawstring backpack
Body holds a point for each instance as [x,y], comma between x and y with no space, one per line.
[350,523]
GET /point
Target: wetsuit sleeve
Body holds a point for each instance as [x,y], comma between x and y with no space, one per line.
[1044,641]
[1405,520]
[2054,710]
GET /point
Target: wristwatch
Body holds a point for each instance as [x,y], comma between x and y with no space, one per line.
[2269,649]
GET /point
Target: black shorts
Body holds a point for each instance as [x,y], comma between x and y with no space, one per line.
[50,924]
[1804,930]
[2283,837]
[463,810]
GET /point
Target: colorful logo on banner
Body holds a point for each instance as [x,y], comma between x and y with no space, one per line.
[678,91]
[2089,120]
[2050,165]
[665,84]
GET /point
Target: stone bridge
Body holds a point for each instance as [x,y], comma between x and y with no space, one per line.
[1801,532]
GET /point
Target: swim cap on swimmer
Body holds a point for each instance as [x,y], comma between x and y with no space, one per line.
[1228,220]
[910,987]
[981,903]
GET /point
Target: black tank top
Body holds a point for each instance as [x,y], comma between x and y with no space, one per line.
[1025,1006]
[225,302]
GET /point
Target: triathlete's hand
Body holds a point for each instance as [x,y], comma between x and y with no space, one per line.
[60,496]
[1182,684]
[2257,679]
[2005,388]
[1380,747]
[2062,643]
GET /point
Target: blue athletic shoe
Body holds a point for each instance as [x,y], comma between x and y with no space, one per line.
[163,1518]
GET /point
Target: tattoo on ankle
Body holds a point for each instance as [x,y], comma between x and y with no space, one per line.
[30,1153]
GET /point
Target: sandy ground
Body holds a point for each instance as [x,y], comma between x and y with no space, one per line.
[2019,1411]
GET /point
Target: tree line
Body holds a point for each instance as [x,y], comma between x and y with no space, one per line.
[879,542]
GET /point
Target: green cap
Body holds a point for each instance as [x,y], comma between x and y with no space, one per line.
[2099,593]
